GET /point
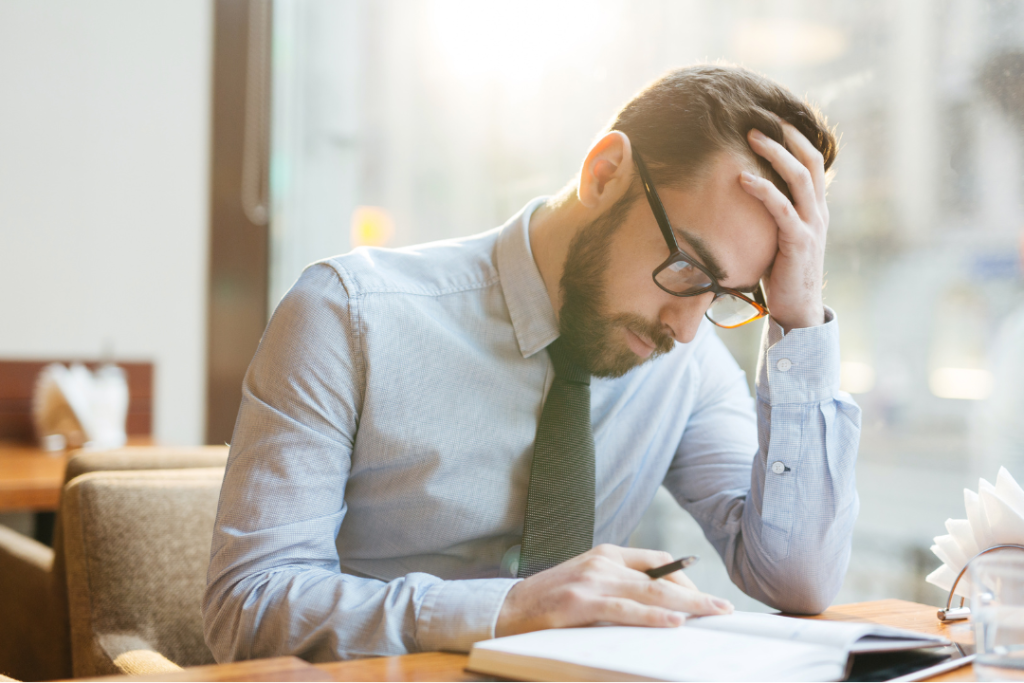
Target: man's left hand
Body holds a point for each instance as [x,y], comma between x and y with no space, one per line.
[795,284]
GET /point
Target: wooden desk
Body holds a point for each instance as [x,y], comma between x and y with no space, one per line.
[275,669]
[444,666]
[31,478]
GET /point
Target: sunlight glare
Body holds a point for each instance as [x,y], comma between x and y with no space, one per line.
[965,383]
[786,43]
[515,43]
[856,378]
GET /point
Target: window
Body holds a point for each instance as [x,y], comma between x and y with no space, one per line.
[445,117]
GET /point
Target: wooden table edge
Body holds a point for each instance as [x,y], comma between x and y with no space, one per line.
[451,666]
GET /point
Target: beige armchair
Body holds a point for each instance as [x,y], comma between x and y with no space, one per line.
[35,639]
[137,546]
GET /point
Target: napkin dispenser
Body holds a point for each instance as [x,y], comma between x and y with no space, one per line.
[995,521]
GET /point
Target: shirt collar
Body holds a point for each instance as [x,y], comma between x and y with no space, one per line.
[533,317]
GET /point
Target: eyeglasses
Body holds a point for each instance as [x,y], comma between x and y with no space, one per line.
[681,275]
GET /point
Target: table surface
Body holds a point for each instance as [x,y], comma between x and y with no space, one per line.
[31,478]
[444,666]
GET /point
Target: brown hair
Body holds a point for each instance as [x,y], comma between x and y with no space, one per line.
[680,120]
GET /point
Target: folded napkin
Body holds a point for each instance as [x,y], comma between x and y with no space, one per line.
[995,515]
[74,407]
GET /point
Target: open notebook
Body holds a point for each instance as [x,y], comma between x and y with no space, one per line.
[736,647]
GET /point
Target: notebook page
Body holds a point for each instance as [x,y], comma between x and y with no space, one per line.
[673,654]
[838,634]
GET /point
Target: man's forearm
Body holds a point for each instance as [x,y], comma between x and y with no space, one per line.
[797,526]
[321,615]
[798,519]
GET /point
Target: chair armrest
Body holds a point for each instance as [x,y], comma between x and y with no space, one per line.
[127,653]
[22,554]
[144,663]
[27,640]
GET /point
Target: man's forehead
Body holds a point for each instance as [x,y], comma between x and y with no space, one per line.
[695,245]
[717,219]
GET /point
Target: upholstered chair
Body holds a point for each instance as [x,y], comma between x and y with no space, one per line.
[137,546]
[34,629]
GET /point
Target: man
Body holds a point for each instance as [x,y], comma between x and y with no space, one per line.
[433,440]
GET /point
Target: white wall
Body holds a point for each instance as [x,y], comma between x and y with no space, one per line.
[104,127]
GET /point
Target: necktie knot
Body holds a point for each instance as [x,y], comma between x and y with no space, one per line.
[565,368]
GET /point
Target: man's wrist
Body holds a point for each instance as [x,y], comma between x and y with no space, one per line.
[799,367]
[456,614]
[812,316]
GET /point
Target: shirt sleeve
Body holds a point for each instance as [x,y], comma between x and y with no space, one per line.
[783,523]
[274,585]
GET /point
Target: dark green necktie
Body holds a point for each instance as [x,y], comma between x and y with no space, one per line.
[559,521]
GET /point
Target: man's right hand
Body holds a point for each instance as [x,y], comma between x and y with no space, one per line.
[605,584]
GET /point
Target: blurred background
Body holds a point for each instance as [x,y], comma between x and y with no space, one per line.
[167,169]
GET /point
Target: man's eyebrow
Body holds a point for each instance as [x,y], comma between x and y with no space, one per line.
[701,251]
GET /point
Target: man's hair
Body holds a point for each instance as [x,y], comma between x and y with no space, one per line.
[681,120]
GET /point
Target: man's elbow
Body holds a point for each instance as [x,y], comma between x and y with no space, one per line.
[222,616]
[806,600]
[813,585]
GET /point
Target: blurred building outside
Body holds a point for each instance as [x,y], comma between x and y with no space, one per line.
[404,121]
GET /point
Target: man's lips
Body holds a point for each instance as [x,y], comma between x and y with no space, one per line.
[638,344]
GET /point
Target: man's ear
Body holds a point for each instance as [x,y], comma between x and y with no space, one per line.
[607,171]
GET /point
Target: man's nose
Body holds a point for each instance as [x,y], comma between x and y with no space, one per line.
[683,315]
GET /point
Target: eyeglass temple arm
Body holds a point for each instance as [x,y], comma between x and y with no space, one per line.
[759,295]
[654,200]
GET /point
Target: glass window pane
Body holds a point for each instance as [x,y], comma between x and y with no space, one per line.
[450,115]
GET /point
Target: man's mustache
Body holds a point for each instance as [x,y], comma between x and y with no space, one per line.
[656,333]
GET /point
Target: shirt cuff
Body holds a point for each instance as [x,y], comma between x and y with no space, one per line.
[799,367]
[456,614]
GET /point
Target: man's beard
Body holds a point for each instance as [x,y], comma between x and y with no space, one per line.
[594,337]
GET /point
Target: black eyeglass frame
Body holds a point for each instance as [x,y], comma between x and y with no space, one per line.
[676,255]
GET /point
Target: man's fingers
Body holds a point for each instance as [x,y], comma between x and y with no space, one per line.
[807,154]
[639,558]
[778,205]
[634,561]
[797,176]
[681,579]
[672,596]
[627,612]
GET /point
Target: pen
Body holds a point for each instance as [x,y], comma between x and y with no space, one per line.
[665,570]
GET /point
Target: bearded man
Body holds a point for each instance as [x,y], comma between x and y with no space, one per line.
[446,443]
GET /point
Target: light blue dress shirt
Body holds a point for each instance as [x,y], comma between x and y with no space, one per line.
[379,466]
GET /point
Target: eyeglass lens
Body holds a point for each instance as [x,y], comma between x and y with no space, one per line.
[682,277]
[730,311]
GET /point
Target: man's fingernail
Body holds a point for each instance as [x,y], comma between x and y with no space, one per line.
[722,605]
[675,619]
[758,135]
[747,177]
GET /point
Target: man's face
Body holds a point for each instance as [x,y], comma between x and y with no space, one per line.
[613,314]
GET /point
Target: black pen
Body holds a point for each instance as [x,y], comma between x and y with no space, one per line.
[665,570]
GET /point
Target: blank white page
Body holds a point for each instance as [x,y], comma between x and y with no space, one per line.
[684,654]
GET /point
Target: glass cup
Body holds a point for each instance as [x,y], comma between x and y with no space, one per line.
[997,612]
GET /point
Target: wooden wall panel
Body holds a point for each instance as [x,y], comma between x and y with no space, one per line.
[18,381]
[237,298]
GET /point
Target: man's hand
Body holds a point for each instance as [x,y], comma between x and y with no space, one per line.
[794,286]
[606,584]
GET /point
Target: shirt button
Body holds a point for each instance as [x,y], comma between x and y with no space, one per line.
[784,365]
[778,467]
